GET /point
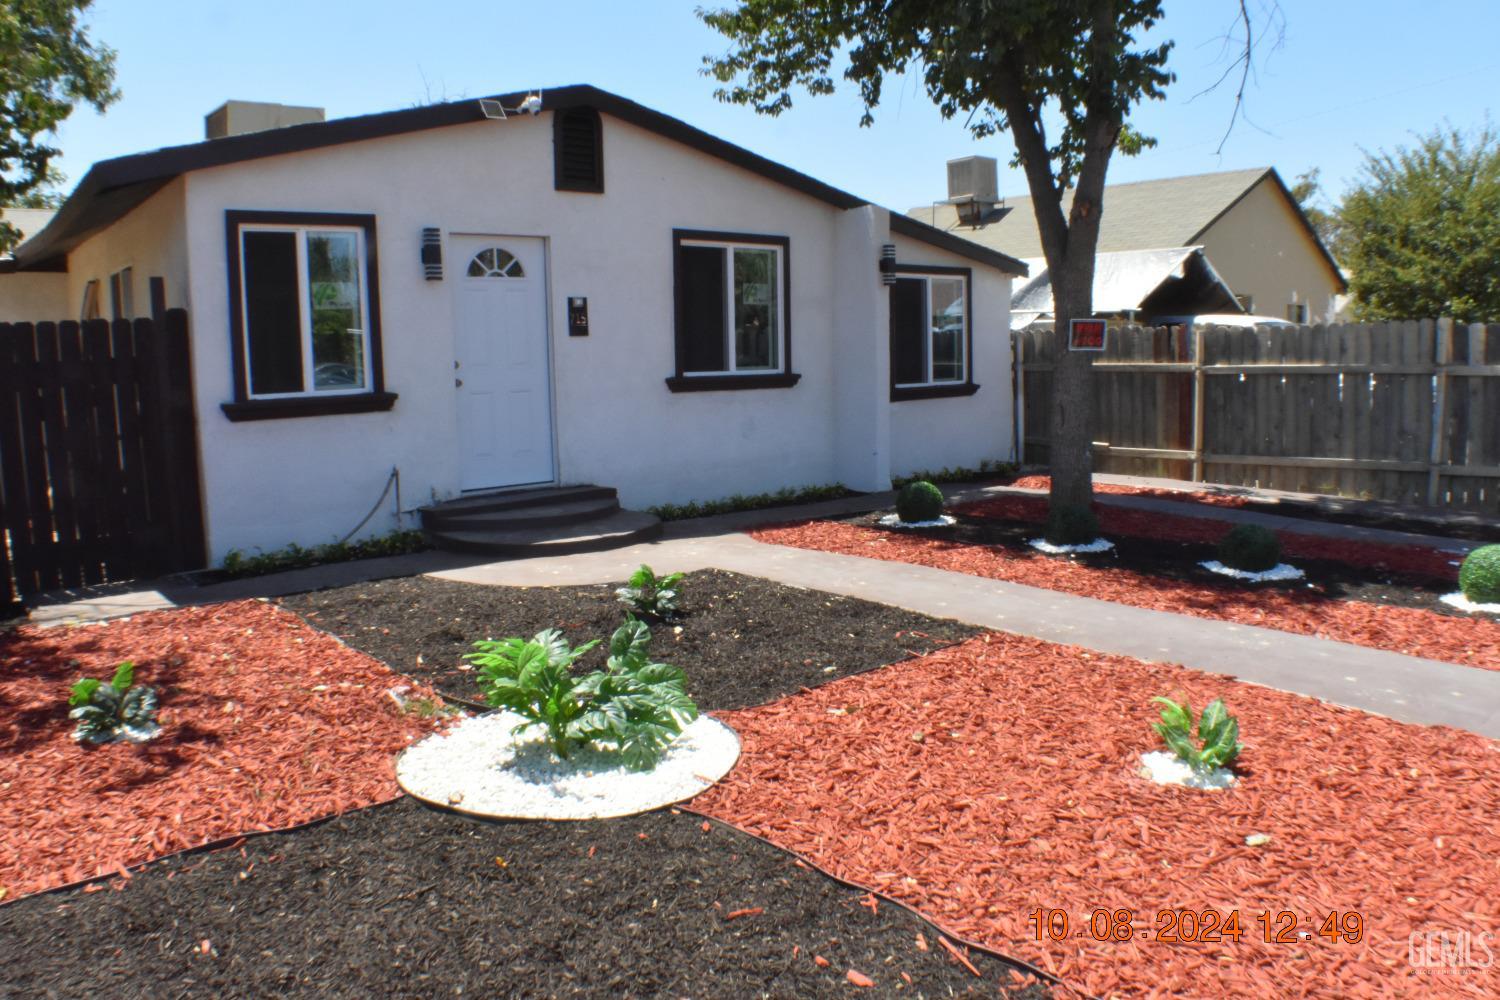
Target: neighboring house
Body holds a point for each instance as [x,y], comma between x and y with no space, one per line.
[1245,221]
[484,298]
[1133,285]
[31,295]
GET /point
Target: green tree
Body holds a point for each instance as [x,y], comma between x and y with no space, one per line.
[1061,76]
[1421,230]
[47,66]
[1307,192]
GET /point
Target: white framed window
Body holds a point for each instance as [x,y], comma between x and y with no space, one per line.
[732,311]
[1296,312]
[304,308]
[930,330]
[90,307]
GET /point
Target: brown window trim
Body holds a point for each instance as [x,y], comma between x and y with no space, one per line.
[308,406]
[243,407]
[784,379]
[944,390]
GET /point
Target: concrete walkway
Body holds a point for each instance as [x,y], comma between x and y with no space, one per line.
[1407,688]
[1402,687]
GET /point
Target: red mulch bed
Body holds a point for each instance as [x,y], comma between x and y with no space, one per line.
[1211,497]
[1408,559]
[1412,631]
[989,779]
[266,723]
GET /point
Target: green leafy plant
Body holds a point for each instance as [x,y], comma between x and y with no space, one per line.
[989,469]
[1479,576]
[1250,548]
[758,501]
[1071,526]
[649,594]
[237,564]
[919,501]
[114,711]
[1218,742]
[634,706]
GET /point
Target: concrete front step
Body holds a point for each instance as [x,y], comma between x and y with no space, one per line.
[511,518]
[484,503]
[620,528]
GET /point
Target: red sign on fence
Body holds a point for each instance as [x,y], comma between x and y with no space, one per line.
[1086,335]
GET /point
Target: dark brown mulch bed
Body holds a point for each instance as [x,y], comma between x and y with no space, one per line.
[1179,561]
[403,901]
[743,640]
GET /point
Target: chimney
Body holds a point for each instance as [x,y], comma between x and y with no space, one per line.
[973,188]
[240,117]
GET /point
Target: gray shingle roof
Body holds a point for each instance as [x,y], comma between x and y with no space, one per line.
[1143,215]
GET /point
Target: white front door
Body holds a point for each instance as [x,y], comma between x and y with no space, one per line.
[501,372]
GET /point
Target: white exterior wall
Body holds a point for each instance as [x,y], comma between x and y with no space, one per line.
[34,296]
[311,479]
[151,240]
[932,434]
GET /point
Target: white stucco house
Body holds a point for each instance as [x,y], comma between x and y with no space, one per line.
[484,298]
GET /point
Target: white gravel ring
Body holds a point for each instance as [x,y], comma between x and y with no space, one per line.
[1170,769]
[894,521]
[1097,545]
[1462,603]
[1281,571]
[478,766]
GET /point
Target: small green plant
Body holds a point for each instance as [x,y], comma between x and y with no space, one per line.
[988,469]
[633,706]
[1071,526]
[114,711]
[759,501]
[1479,576]
[237,564]
[1218,742]
[1250,548]
[649,594]
[919,501]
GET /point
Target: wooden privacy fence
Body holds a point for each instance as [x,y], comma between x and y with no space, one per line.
[1407,412]
[98,454]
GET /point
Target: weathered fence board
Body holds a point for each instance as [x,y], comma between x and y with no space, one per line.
[98,454]
[1407,412]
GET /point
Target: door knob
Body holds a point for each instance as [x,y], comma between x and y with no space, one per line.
[458,383]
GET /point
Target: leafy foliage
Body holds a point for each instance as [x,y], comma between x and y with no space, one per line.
[1250,548]
[1479,576]
[633,705]
[1071,526]
[49,66]
[1218,742]
[237,564]
[988,469]
[758,501]
[114,711]
[1420,230]
[919,501]
[648,594]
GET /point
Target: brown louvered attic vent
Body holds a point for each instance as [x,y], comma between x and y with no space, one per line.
[577,151]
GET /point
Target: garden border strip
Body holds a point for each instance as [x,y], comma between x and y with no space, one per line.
[1025,966]
[208,847]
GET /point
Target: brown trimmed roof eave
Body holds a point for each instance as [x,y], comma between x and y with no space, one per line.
[114,187]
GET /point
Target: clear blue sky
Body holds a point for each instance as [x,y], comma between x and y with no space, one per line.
[1349,74]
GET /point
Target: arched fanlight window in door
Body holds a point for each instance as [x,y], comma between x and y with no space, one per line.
[495,263]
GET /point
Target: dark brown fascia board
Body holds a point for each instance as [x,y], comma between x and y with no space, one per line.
[905,225]
[142,174]
[1286,193]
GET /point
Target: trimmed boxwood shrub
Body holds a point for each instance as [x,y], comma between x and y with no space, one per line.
[1479,576]
[919,501]
[1071,526]
[1250,548]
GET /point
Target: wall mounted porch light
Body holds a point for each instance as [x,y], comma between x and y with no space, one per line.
[432,253]
[888,264]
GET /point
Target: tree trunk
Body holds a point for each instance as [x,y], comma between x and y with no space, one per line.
[1072,394]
